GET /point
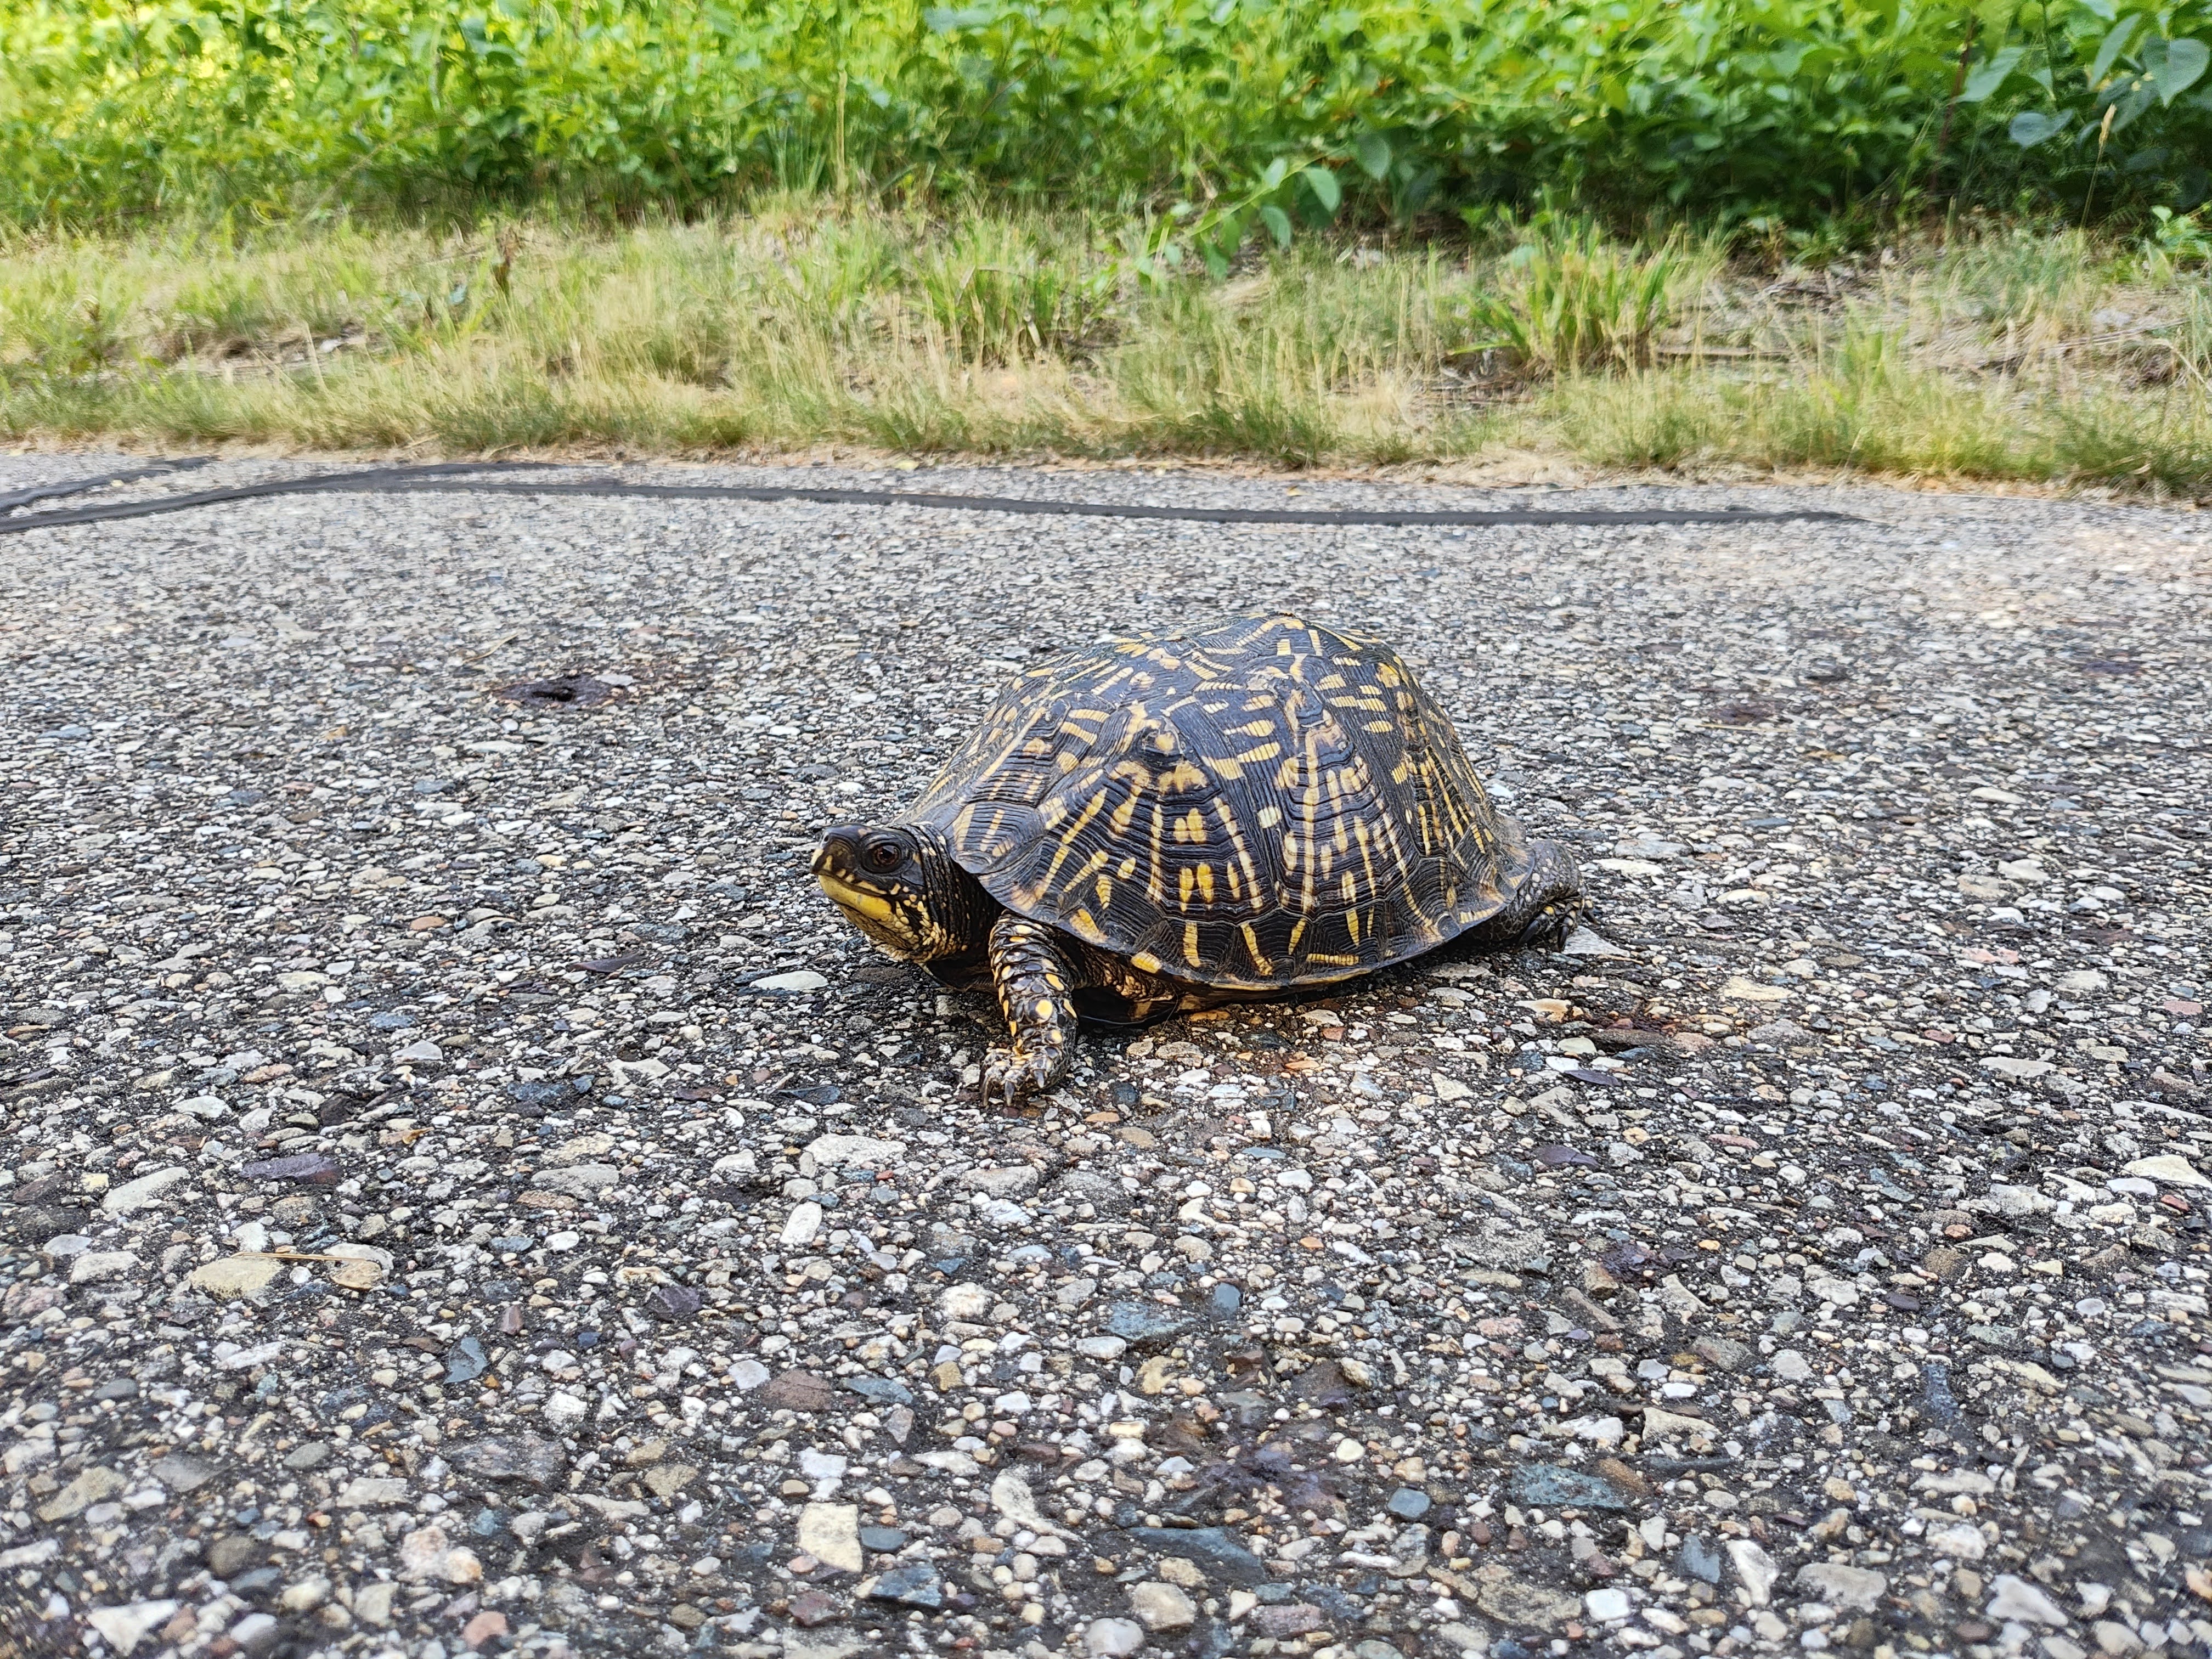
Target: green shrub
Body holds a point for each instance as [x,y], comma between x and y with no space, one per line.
[1230,117]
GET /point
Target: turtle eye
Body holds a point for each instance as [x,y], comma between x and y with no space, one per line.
[882,856]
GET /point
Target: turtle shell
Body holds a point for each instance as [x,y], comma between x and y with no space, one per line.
[1250,805]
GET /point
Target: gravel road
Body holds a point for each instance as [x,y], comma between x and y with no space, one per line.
[465,1192]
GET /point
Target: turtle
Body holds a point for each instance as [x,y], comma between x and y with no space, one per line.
[1233,810]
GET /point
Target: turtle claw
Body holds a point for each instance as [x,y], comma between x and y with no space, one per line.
[1008,1076]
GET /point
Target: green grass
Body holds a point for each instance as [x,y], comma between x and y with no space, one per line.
[2002,353]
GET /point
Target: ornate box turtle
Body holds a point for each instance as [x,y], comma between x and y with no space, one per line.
[1214,814]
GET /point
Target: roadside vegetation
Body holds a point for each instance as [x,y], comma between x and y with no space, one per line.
[1956,242]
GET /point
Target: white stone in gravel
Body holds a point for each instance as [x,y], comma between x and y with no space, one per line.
[230,1358]
[791,984]
[427,1552]
[1792,1367]
[1161,1607]
[748,1375]
[578,1180]
[102,1266]
[966,1302]
[135,1194]
[2170,1168]
[2013,1066]
[371,1603]
[418,1054]
[210,1107]
[370,1492]
[831,1533]
[1011,1181]
[801,1227]
[1110,1638]
[1754,1570]
[124,1628]
[1606,1605]
[564,1410]
[1583,942]
[1100,1347]
[2016,1598]
[30,1555]
[1011,1496]
[1853,1589]
[847,1152]
[1962,1542]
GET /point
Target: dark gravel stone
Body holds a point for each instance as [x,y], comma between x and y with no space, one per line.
[1408,1504]
[1546,1486]
[1213,1548]
[1145,1325]
[916,1586]
[529,1458]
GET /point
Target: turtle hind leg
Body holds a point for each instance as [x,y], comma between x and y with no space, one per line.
[1036,973]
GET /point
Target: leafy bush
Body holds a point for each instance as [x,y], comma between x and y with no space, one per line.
[1228,118]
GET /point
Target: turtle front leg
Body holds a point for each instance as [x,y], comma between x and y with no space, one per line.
[1034,971]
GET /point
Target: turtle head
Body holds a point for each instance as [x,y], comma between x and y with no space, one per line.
[900,885]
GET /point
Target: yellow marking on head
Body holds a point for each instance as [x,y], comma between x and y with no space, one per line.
[1190,943]
[1144,963]
[854,898]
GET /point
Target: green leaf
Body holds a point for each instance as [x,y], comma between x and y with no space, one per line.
[1277,223]
[1272,178]
[2184,66]
[1325,191]
[2031,127]
[1373,150]
[2116,42]
[1991,74]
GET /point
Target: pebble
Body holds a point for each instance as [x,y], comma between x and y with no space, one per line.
[1161,1607]
[1107,1638]
[1698,1277]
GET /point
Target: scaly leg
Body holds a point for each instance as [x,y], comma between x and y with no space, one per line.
[1035,973]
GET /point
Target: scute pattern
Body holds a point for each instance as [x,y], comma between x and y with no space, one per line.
[1256,804]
